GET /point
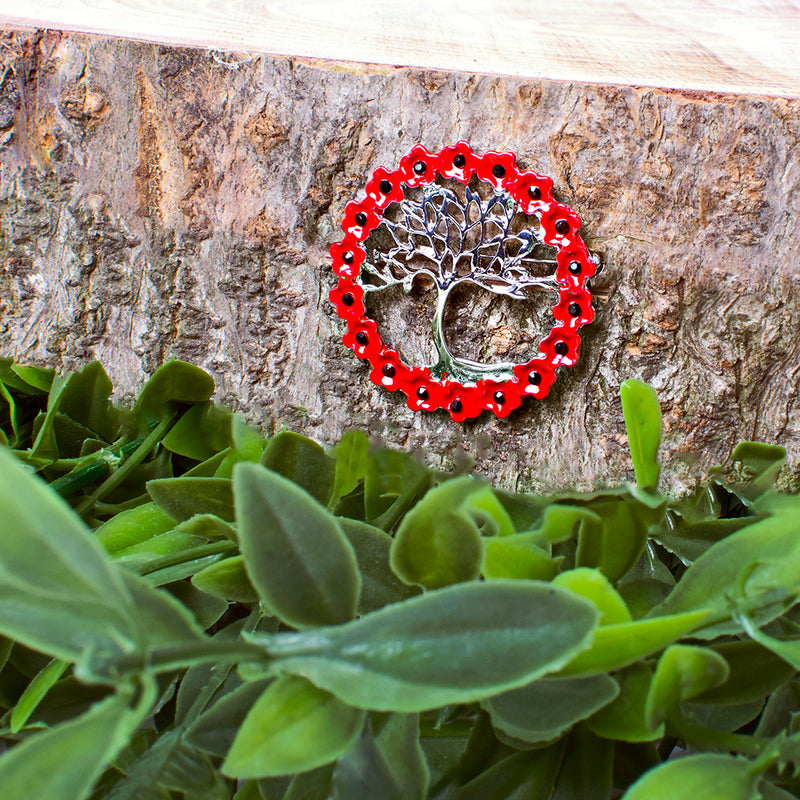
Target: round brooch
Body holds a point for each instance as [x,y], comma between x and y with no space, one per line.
[456,216]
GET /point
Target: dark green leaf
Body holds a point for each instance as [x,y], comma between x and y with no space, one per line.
[182,498]
[64,762]
[298,559]
[587,767]
[432,650]
[624,718]
[689,542]
[290,714]
[701,777]
[388,764]
[312,785]
[643,422]
[201,432]
[205,609]
[755,672]
[38,378]
[379,585]
[764,557]
[217,727]
[303,462]
[438,542]
[393,481]
[545,709]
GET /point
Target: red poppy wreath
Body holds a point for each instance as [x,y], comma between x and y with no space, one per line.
[457,217]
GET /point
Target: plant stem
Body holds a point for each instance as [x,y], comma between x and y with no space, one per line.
[133,461]
[192,554]
[168,659]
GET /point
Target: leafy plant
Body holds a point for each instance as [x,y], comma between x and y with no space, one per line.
[190,609]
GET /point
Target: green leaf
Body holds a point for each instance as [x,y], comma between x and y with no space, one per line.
[63,762]
[438,542]
[389,764]
[683,672]
[642,414]
[518,556]
[546,708]
[701,777]
[594,586]
[788,649]
[352,458]
[616,646]
[689,542]
[432,650]
[586,770]
[615,543]
[133,526]
[393,481]
[379,585]
[561,522]
[201,432]
[182,498]
[292,713]
[624,718]
[303,462]
[217,727]
[755,672]
[298,559]
[174,381]
[45,444]
[85,400]
[208,526]
[528,775]
[228,580]
[759,463]
[35,692]
[758,567]
[38,378]
[58,592]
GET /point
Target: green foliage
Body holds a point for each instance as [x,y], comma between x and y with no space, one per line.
[193,610]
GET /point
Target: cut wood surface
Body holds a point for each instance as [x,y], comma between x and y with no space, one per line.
[719,45]
[161,202]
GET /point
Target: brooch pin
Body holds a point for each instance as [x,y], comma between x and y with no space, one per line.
[456,216]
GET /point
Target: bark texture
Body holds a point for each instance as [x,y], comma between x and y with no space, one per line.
[159,202]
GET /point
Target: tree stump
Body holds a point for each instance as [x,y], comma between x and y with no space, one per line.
[161,202]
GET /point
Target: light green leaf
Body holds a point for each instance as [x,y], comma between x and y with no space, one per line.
[290,715]
[616,646]
[518,556]
[594,586]
[133,526]
[298,559]
[352,458]
[683,672]
[227,579]
[175,381]
[439,542]
[201,432]
[700,777]
[35,692]
[546,708]
[65,761]
[432,650]
[392,482]
[642,414]
[58,592]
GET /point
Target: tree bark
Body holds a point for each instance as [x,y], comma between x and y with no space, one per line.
[161,202]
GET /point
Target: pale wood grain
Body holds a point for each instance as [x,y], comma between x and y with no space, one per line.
[713,45]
